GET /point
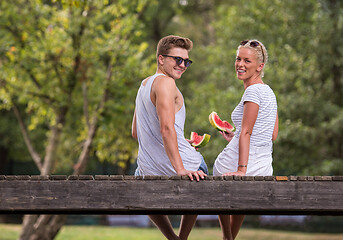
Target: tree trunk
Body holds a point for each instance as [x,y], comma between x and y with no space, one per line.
[46,227]
[27,229]
[35,226]
[43,227]
[53,141]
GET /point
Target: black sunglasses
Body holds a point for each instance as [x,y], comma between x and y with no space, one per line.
[253,44]
[179,60]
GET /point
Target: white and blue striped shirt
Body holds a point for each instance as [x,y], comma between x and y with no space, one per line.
[264,97]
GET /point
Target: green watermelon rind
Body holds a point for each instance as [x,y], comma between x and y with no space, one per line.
[205,140]
[216,126]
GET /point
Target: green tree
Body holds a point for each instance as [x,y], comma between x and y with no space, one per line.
[304,44]
[74,66]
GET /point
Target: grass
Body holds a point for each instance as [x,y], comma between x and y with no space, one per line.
[11,232]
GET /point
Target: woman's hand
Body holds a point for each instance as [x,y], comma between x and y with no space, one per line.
[227,135]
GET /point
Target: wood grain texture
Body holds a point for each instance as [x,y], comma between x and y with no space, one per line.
[85,194]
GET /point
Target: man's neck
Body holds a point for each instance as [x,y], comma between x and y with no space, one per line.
[161,71]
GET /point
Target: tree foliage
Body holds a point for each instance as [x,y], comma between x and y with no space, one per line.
[61,60]
[73,67]
[55,56]
[304,45]
[48,46]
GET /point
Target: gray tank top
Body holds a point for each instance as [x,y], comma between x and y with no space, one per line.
[152,158]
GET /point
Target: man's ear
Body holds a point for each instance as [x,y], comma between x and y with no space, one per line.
[160,59]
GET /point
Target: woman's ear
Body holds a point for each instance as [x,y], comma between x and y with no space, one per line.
[260,67]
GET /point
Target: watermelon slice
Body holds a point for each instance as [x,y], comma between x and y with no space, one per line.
[199,141]
[220,125]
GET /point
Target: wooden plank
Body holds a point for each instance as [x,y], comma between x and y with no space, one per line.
[293,178]
[73,177]
[259,178]
[58,177]
[337,178]
[102,177]
[269,178]
[247,178]
[170,196]
[39,178]
[281,178]
[86,177]
[116,177]
[228,178]
[310,178]
[323,178]
[301,178]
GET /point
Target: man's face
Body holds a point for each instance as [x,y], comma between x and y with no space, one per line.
[169,64]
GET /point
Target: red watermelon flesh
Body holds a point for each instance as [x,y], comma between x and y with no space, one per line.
[199,141]
[219,124]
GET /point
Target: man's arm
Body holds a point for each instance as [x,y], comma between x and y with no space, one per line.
[165,89]
[134,126]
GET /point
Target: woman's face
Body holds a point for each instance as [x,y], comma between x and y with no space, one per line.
[246,65]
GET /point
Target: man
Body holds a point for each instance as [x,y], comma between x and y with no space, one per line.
[158,125]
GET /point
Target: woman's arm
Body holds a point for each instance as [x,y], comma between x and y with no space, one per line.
[250,113]
[276,128]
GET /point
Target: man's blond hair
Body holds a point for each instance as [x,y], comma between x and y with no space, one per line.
[172,41]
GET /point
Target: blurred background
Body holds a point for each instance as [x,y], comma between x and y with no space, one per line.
[70,71]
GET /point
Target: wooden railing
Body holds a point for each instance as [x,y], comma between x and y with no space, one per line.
[116,194]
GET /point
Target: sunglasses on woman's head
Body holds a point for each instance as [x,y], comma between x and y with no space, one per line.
[253,44]
[179,60]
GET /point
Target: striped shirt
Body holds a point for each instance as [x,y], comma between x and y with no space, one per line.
[264,97]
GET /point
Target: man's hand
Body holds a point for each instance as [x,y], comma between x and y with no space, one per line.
[197,174]
[189,141]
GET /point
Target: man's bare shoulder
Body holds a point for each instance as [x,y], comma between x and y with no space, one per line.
[146,80]
[164,83]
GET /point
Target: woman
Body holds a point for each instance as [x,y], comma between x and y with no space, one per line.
[249,151]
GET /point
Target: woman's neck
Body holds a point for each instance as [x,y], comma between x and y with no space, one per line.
[253,80]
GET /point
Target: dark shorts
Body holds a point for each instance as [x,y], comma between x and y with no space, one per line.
[203,167]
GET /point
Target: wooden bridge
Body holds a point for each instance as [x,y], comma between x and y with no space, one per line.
[116,194]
